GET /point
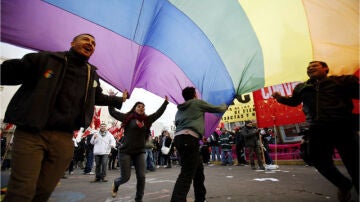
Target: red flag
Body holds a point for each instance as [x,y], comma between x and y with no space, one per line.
[114,129]
[270,113]
[95,124]
[86,133]
[8,126]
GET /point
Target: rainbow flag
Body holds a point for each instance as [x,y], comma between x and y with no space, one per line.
[222,48]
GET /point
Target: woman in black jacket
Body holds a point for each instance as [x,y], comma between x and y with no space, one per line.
[136,126]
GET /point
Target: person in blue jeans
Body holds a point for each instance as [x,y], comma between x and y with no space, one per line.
[226,141]
[149,158]
[215,148]
[103,142]
[89,152]
[189,122]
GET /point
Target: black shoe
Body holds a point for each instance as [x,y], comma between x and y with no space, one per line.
[262,168]
[104,180]
[344,195]
[95,180]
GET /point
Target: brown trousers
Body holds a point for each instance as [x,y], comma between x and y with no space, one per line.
[39,160]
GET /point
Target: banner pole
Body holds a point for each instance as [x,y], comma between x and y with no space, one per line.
[275,134]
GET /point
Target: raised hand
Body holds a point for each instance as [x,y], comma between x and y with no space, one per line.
[276,95]
[125,95]
[111,92]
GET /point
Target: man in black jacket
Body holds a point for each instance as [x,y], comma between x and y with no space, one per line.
[57,96]
[240,147]
[327,104]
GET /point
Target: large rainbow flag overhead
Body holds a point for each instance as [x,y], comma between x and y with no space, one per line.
[223,48]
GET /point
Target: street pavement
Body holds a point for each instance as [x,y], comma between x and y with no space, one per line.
[293,183]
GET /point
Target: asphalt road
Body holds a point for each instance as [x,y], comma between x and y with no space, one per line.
[224,183]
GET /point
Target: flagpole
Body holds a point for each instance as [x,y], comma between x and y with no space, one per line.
[275,132]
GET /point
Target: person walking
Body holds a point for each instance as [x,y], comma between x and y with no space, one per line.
[327,104]
[57,96]
[103,142]
[136,126]
[189,122]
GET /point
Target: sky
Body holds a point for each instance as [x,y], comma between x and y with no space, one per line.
[152,102]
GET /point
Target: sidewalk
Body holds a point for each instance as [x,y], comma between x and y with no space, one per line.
[295,183]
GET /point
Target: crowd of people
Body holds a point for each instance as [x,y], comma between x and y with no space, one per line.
[233,149]
[84,154]
[57,96]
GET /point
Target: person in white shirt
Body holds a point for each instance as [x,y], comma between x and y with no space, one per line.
[103,141]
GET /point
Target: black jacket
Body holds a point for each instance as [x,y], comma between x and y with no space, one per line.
[325,101]
[251,136]
[41,76]
[134,135]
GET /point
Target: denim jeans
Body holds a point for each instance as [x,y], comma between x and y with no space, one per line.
[89,162]
[226,157]
[156,157]
[215,151]
[125,172]
[101,166]
[149,159]
[192,169]
[268,159]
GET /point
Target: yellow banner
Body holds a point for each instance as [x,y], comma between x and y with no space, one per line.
[241,110]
